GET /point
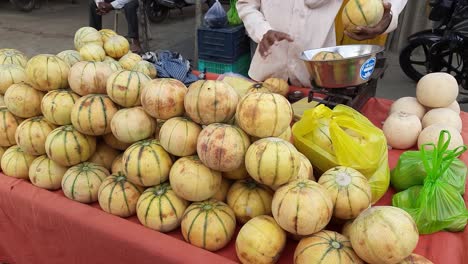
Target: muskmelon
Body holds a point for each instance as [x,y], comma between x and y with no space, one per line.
[146,68]
[118,196]
[56,106]
[46,173]
[116,46]
[70,57]
[68,147]
[249,199]
[81,182]
[160,208]
[11,74]
[222,147]
[87,35]
[306,171]
[146,163]
[24,101]
[92,114]
[113,142]
[114,65]
[92,52]
[164,98]
[326,56]
[277,85]
[415,259]
[88,77]
[192,180]
[272,112]
[130,125]
[15,162]
[179,136]
[223,190]
[208,102]
[8,125]
[106,34]
[12,56]
[259,88]
[124,87]
[32,133]
[129,60]
[209,224]
[237,174]
[362,13]
[47,72]
[104,155]
[117,164]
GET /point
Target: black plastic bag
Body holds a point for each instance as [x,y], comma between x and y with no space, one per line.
[216,17]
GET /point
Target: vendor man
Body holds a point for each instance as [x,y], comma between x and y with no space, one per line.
[284,29]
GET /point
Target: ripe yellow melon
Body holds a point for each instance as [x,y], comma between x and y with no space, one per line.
[192,180]
[213,230]
[92,114]
[11,74]
[125,87]
[272,161]
[87,35]
[222,147]
[147,68]
[437,89]
[81,182]
[130,125]
[118,196]
[68,147]
[70,57]
[146,163]
[415,259]
[106,34]
[160,208]
[8,125]
[249,199]
[349,190]
[237,174]
[113,142]
[15,162]
[306,171]
[12,56]
[367,13]
[278,86]
[47,72]
[56,106]
[104,156]
[264,114]
[87,77]
[92,52]
[46,173]
[222,192]
[384,234]
[210,102]
[302,207]
[260,240]
[32,133]
[259,88]
[23,100]
[326,56]
[129,60]
[116,46]
[179,136]
[164,98]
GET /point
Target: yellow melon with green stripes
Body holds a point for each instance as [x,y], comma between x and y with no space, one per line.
[366,13]
[81,182]
[179,136]
[129,60]
[15,162]
[92,52]
[8,125]
[32,133]
[92,114]
[11,74]
[208,224]
[56,106]
[118,196]
[67,146]
[46,173]
[160,208]
[124,87]
[147,68]
[12,56]
[23,100]
[106,34]
[146,163]
[70,57]
[47,72]
[86,35]
[326,56]
[88,77]
[116,47]
[130,125]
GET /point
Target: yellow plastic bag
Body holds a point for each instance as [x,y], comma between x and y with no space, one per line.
[354,142]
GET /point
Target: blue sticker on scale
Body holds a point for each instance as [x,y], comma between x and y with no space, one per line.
[367,68]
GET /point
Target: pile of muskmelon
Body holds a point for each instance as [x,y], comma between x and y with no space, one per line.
[96,123]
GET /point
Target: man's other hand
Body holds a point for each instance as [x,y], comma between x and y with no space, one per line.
[363,33]
[104,8]
[271,38]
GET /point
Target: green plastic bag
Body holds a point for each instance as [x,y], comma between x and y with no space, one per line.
[410,171]
[437,205]
[232,15]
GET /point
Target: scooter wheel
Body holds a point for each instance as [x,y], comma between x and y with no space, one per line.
[416,69]
[156,13]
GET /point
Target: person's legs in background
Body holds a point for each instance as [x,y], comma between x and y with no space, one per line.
[131,14]
[95,20]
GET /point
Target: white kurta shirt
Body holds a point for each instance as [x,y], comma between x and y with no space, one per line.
[311,23]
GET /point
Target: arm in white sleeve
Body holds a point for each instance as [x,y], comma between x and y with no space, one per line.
[397,8]
[254,21]
[119,4]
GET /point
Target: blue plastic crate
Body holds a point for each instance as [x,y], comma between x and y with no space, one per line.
[224,45]
[241,66]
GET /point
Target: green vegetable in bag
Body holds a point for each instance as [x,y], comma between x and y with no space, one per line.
[232,15]
[437,205]
[410,171]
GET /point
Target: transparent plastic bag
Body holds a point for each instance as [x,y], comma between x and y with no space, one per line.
[232,15]
[437,205]
[343,136]
[216,17]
